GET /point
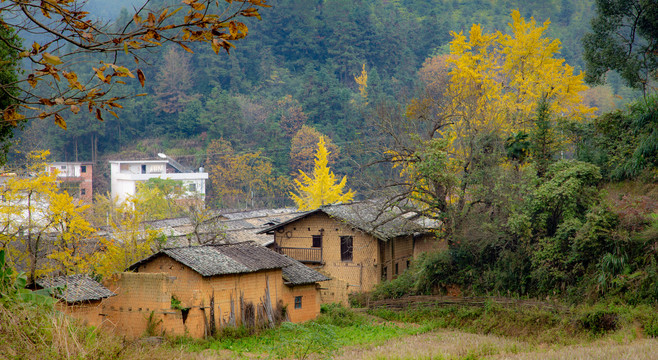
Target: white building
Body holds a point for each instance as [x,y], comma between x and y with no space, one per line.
[126,174]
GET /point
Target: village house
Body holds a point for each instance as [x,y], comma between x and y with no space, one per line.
[79,296]
[124,176]
[75,178]
[357,245]
[195,291]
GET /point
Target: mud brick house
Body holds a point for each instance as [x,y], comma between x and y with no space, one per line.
[358,244]
[196,290]
[79,296]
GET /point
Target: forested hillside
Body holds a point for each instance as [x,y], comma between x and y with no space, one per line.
[297,67]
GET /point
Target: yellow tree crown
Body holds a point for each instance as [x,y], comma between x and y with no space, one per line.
[321,188]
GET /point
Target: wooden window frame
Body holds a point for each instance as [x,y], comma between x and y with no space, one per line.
[316,241]
[347,248]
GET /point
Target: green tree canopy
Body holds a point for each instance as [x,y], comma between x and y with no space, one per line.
[624,38]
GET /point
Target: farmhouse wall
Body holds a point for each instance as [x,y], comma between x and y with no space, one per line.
[151,290]
[362,273]
[90,313]
[310,302]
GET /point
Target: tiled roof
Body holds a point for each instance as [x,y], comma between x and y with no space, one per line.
[299,274]
[371,217]
[76,288]
[247,257]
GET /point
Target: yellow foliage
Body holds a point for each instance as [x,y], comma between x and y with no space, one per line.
[496,81]
[238,177]
[37,221]
[321,189]
[362,81]
[129,241]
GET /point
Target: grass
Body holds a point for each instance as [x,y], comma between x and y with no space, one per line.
[445,333]
[335,328]
[537,325]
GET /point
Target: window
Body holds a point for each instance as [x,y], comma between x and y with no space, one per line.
[346,248]
[384,273]
[192,187]
[143,169]
[408,264]
[317,241]
[298,302]
[83,168]
[83,191]
[396,268]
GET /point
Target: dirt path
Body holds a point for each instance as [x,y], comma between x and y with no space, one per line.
[444,344]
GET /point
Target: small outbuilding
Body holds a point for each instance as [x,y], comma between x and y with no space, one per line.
[79,296]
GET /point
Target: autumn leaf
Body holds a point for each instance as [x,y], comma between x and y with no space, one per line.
[186,48]
[59,120]
[52,59]
[140,76]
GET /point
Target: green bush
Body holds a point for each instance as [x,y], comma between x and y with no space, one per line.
[396,288]
[338,315]
[599,320]
[650,325]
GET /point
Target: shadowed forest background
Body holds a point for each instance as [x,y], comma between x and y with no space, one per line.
[296,68]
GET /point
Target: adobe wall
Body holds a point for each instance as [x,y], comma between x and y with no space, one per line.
[396,255]
[139,295]
[195,292]
[429,242]
[90,313]
[310,304]
[360,274]
[334,291]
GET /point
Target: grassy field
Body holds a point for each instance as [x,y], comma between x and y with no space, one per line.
[444,333]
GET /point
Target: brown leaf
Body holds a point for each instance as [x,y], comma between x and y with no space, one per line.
[32,80]
[59,120]
[186,48]
[46,102]
[75,109]
[98,114]
[140,76]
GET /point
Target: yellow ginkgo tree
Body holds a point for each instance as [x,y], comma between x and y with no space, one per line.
[320,188]
[485,91]
[43,229]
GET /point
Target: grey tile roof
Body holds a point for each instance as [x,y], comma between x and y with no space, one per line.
[247,257]
[75,288]
[299,274]
[372,217]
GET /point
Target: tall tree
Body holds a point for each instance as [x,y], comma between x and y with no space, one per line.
[38,222]
[174,82]
[624,38]
[302,149]
[242,180]
[321,188]
[494,83]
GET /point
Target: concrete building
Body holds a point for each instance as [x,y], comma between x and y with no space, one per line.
[124,176]
[76,178]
